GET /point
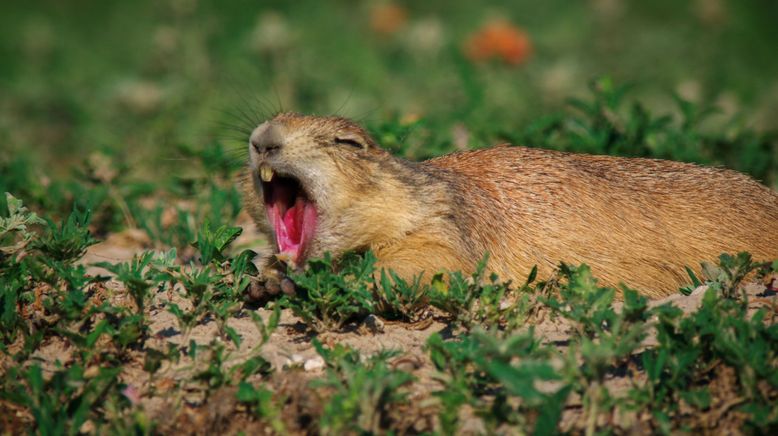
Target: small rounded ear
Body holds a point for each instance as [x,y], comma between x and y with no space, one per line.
[352,139]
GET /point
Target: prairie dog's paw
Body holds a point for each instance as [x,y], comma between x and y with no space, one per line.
[271,281]
[266,286]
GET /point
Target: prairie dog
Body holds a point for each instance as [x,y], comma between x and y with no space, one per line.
[322,184]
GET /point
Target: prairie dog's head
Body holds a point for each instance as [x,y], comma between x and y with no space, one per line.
[316,178]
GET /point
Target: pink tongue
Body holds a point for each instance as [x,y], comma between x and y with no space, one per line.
[295,229]
[293,220]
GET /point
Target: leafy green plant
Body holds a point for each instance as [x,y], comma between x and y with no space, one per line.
[331,294]
[590,307]
[262,404]
[727,274]
[498,378]
[726,277]
[265,328]
[215,287]
[609,123]
[15,235]
[363,392]
[211,242]
[692,349]
[15,232]
[197,284]
[399,299]
[603,338]
[62,404]
[226,302]
[140,275]
[474,300]
[214,375]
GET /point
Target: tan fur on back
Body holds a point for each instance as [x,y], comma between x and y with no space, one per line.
[636,221]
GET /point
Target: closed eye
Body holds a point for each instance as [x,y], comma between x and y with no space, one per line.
[349,142]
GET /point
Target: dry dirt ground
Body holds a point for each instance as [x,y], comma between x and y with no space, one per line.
[180,405]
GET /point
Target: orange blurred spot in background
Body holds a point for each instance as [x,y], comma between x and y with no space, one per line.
[499,40]
[387,18]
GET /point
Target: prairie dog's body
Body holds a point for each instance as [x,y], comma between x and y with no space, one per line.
[637,221]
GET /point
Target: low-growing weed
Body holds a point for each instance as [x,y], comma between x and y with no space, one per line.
[263,405]
[197,284]
[140,276]
[62,404]
[69,241]
[265,328]
[718,341]
[363,391]
[214,375]
[398,299]
[603,338]
[477,301]
[500,379]
[214,288]
[15,235]
[330,294]
[15,226]
[212,241]
[590,307]
[726,277]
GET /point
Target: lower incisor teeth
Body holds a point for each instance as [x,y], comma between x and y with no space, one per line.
[265,172]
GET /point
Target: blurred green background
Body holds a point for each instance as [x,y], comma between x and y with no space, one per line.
[144,80]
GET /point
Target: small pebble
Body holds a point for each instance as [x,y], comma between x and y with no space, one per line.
[314,364]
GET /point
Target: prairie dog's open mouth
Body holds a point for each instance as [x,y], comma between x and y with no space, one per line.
[291,213]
